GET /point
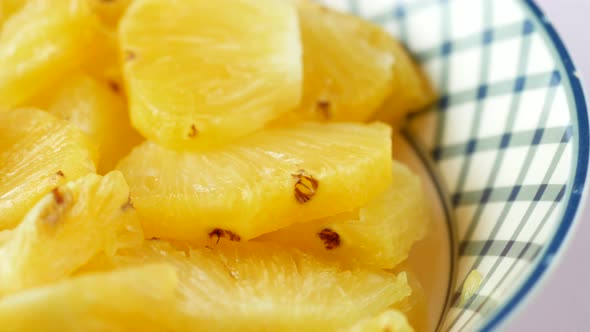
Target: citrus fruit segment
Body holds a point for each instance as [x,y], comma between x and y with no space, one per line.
[264,287]
[201,73]
[266,181]
[380,234]
[351,67]
[97,108]
[41,43]
[37,153]
[65,229]
[131,299]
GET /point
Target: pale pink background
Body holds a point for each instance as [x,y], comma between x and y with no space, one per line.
[562,303]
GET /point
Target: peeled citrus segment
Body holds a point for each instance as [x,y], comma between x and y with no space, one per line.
[380,234]
[65,229]
[388,321]
[267,181]
[37,153]
[201,73]
[350,68]
[264,287]
[41,43]
[133,299]
[97,108]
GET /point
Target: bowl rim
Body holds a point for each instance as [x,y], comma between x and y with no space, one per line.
[579,188]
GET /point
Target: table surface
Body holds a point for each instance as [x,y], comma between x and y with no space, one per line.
[562,302]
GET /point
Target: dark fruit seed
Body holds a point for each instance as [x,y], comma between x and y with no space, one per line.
[305,187]
[130,55]
[222,233]
[193,132]
[57,196]
[324,107]
[53,212]
[128,205]
[114,86]
[331,239]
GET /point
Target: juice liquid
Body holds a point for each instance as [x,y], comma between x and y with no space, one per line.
[431,259]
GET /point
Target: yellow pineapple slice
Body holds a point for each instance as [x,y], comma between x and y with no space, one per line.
[263,287]
[104,62]
[415,306]
[380,234]
[65,229]
[109,11]
[351,67]
[98,108]
[470,286]
[388,321]
[134,299]
[9,8]
[201,73]
[37,153]
[266,181]
[41,43]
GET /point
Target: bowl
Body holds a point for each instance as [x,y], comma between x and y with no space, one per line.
[508,138]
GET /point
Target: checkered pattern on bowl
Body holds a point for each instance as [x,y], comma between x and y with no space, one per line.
[509,137]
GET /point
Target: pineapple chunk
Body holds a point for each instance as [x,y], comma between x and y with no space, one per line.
[201,73]
[265,182]
[470,286]
[104,63]
[415,306]
[41,43]
[388,321]
[263,287]
[37,153]
[65,229]
[379,234]
[9,8]
[98,109]
[351,67]
[109,11]
[134,299]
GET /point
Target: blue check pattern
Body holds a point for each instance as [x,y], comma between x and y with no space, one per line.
[505,137]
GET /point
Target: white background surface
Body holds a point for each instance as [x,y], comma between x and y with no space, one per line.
[562,302]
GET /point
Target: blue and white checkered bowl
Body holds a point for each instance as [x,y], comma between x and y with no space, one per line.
[509,137]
